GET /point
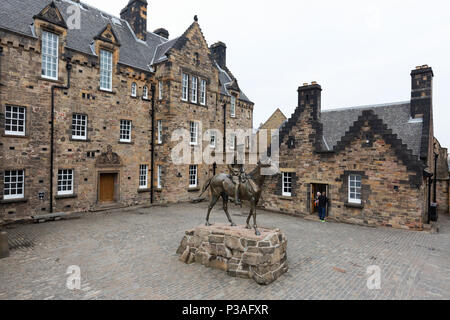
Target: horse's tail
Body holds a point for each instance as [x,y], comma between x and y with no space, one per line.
[205,187]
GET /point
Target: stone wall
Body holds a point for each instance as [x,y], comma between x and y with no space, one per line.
[442,195]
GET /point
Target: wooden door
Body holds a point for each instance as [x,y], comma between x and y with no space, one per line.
[107,181]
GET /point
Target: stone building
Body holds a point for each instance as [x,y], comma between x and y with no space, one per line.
[88,103]
[275,121]
[442,178]
[375,162]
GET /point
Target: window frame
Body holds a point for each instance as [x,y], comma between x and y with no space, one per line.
[16,196]
[158,177]
[45,76]
[234,142]
[194,89]
[143,176]
[286,185]
[233,107]
[75,137]
[185,87]
[134,90]
[123,121]
[160,90]
[160,132]
[145,92]
[193,134]
[203,92]
[67,172]
[213,139]
[105,54]
[350,180]
[191,174]
[15,133]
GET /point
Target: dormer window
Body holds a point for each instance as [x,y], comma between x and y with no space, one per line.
[50,55]
[134,90]
[105,70]
[233,107]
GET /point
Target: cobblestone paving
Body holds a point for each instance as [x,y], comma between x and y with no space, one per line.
[130,254]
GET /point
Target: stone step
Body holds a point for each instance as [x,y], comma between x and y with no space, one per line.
[52,216]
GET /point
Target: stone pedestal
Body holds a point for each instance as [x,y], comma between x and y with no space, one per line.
[237,251]
[4,247]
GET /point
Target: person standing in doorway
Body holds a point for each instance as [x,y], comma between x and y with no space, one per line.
[323,202]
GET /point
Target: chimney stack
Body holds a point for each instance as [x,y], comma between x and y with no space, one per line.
[421,91]
[135,13]
[162,33]
[309,96]
[219,52]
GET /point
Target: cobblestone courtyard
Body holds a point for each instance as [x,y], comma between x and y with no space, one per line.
[130,254]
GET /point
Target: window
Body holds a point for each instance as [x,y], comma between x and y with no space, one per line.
[212,139]
[15,121]
[159,175]
[354,188]
[194,90]
[145,92]
[14,184]
[233,107]
[193,179]
[160,133]
[50,55]
[194,133]
[125,130]
[65,182]
[203,92]
[160,90]
[184,94]
[287,184]
[105,70]
[133,89]
[232,141]
[79,127]
[143,176]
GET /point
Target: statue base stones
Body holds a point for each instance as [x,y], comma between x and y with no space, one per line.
[237,251]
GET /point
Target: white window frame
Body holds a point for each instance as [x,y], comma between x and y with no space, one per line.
[233,107]
[145,92]
[193,175]
[17,180]
[353,189]
[134,90]
[233,138]
[160,90]
[65,180]
[106,70]
[50,57]
[287,184]
[12,120]
[158,177]
[160,132]
[203,92]
[193,130]
[125,130]
[185,87]
[143,176]
[194,89]
[213,139]
[77,126]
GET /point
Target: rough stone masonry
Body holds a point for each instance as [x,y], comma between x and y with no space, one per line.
[238,251]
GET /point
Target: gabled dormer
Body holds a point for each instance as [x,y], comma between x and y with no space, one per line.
[107,47]
[51,28]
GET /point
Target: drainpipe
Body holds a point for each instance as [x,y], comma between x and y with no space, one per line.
[1,54]
[224,129]
[152,177]
[52,130]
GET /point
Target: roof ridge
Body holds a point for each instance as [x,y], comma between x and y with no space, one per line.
[389,104]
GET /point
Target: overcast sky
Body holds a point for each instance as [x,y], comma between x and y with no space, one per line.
[360,52]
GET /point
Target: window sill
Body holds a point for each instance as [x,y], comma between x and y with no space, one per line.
[354,205]
[193,189]
[65,196]
[287,198]
[42,78]
[7,201]
[126,142]
[15,136]
[144,190]
[79,140]
[147,99]
[106,91]
[158,190]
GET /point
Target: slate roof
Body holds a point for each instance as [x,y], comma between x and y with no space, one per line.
[395,115]
[17,16]
[225,79]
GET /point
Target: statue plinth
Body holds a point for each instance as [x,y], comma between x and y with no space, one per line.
[237,251]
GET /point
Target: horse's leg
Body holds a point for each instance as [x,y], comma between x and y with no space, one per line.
[225,208]
[214,199]
[254,218]
[248,226]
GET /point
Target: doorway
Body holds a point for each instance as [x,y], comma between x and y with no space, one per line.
[315,188]
[107,188]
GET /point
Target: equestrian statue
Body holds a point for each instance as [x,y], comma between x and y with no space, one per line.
[241,187]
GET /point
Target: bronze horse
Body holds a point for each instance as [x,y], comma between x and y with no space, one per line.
[222,185]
